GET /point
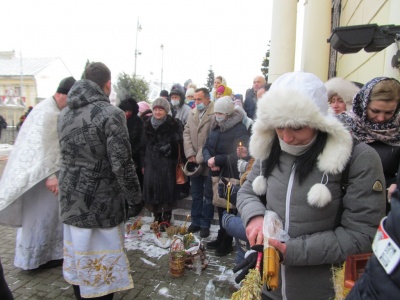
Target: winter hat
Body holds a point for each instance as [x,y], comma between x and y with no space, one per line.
[129,104]
[162,103]
[190,92]
[300,99]
[221,89]
[65,85]
[177,90]
[226,91]
[164,93]
[143,106]
[343,88]
[224,105]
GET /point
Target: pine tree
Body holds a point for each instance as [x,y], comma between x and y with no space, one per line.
[131,86]
[210,79]
[265,63]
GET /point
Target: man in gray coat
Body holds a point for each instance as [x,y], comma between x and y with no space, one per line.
[97,177]
[194,137]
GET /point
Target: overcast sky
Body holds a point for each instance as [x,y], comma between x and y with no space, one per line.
[230,35]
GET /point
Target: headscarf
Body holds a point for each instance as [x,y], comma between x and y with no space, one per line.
[363,129]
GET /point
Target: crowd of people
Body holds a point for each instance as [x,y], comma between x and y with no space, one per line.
[324,157]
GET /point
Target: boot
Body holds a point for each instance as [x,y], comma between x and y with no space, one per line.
[166,218]
[226,246]
[157,217]
[216,243]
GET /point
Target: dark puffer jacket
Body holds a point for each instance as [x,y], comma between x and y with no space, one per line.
[159,154]
[222,142]
[97,173]
[375,282]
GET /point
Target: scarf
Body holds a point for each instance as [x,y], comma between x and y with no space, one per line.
[157,122]
[357,123]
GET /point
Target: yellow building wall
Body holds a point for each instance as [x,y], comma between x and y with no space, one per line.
[364,66]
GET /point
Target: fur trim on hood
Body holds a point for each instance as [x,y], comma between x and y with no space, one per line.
[295,100]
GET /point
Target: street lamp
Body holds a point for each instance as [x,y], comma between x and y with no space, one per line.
[138,28]
[162,64]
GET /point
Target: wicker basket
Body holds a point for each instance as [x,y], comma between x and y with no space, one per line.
[177,256]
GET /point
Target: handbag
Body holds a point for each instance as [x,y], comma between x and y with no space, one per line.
[222,202]
[181,178]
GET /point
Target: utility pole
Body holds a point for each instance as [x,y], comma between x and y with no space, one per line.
[138,29]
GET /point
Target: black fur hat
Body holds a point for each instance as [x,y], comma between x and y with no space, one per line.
[129,104]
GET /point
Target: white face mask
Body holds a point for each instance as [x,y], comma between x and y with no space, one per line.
[220,118]
[296,150]
[175,102]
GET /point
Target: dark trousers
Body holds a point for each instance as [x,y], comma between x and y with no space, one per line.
[5,292]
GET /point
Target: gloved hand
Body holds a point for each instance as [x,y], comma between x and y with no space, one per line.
[242,165]
[249,263]
[134,210]
[223,190]
[165,150]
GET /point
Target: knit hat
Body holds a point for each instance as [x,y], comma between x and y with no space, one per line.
[164,93]
[343,88]
[143,106]
[65,85]
[299,99]
[190,92]
[224,105]
[226,91]
[221,89]
[162,103]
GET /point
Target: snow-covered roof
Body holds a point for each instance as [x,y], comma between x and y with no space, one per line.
[30,66]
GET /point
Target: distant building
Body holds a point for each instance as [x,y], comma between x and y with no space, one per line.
[25,82]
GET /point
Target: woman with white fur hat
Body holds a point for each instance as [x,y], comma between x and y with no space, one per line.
[340,94]
[302,156]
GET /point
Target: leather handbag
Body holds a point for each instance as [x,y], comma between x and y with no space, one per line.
[218,201]
[181,178]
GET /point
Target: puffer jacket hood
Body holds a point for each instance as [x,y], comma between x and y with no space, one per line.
[84,92]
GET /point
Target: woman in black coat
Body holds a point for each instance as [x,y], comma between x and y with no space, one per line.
[135,130]
[162,137]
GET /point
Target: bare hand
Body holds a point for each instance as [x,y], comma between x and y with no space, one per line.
[254,231]
[192,159]
[281,247]
[211,162]
[52,185]
[216,168]
[242,152]
[391,189]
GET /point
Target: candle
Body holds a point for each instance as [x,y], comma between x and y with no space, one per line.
[240,150]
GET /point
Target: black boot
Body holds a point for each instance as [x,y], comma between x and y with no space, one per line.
[226,246]
[157,217]
[216,243]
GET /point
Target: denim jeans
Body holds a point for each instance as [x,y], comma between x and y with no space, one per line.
[234,227]
[202,208]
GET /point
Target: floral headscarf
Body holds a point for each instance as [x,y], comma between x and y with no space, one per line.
[363,130]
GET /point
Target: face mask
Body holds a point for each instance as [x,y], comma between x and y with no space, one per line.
[200,106]
[219,118]
[296,150]
[175,102]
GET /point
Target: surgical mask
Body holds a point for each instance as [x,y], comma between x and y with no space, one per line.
[175,102]
[200,106]
[219,118]
[296,150]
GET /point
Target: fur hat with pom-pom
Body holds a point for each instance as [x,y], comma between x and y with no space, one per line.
[299,99]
